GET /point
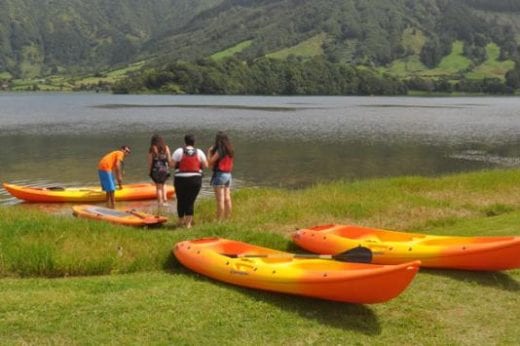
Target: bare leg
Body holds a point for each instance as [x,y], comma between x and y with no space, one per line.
[219,197]
[158,193]
[228,205]
[164,197]
[110,199]
[187,220]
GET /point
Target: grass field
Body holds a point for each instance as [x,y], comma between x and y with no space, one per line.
[5,75]
[451,65]
[492,67]
[70,281]
[70,83]
[308,48]
[232,50]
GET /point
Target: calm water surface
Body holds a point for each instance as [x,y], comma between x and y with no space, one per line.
[290,142]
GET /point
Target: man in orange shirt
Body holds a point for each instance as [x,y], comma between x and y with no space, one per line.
[109,166]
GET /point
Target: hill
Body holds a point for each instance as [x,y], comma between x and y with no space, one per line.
[42,37]
[404,38]
[359,32]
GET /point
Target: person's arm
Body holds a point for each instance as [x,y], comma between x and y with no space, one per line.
[175,158]
[149,161]
[203,160]
[171,163]
[119,174]
[212,156]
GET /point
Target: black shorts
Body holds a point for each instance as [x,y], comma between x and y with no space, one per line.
[159,177]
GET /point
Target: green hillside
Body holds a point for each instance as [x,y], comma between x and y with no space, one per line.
[453,39]
[493,66]
[229,52]
[42,37]
[308,48]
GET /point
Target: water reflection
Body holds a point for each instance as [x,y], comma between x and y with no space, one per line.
[53,139]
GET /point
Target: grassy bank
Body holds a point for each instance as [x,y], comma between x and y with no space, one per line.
[158,301]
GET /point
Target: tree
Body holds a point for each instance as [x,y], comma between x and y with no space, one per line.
[513,77]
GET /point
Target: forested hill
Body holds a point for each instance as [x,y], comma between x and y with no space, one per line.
[373,32]
[405,37]
[39,37]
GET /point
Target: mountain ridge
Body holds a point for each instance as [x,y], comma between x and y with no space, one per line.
[39,38]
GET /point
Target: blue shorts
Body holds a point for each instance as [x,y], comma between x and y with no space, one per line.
[107,181]
[221,179]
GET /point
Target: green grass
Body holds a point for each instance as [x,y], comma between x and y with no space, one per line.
[231,50]
[453,63]
[405,67]
[111,76]
[492,67]
[5,75]
[69,83]
[68,281]
[308,48]
[184,308]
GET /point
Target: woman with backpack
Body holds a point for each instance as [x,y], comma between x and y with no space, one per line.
[220,157]
[159,157]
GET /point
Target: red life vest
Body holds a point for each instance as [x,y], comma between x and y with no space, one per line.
[225,164]
[190,162]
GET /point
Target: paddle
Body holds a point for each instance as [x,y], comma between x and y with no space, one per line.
[357,255]
[146,219]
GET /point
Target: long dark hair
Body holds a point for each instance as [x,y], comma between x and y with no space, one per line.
[223,144]
[157,145]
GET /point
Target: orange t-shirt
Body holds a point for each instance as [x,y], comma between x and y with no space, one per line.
[110,160]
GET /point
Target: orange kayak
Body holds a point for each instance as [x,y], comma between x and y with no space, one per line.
[122,217]
[129,192]
[261,268]
[390,247]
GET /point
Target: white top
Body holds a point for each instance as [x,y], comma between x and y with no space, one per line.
[177,157]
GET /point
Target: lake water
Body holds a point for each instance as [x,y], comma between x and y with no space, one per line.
[289,142]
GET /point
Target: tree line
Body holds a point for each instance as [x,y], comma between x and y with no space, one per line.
[295,76]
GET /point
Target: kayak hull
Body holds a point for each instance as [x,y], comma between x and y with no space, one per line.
[129,192]
[318,278]
[121,217]
[390,247]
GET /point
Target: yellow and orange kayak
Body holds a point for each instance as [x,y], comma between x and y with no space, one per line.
[261,268]
[390,247]
[129,192]
[123,217]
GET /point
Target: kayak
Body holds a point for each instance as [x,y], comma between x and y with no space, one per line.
[434,251]
[123,217]
[129,192]
[262,268]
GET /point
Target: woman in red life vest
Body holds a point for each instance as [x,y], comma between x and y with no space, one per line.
[159,157]
[220,157]
[189,163]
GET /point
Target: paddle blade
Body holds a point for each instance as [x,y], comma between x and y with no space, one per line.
[147,219]
[358,254]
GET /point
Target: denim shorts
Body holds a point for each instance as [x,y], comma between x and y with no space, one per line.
[221,179]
